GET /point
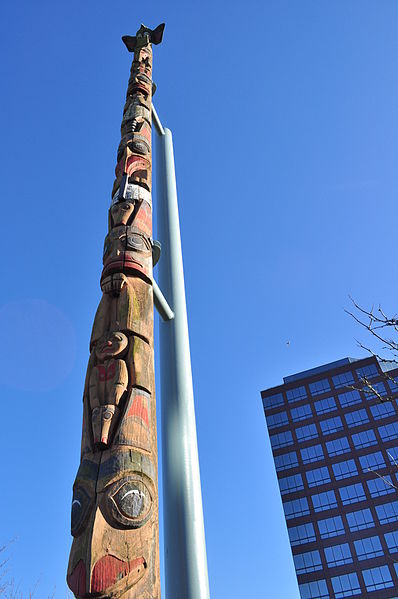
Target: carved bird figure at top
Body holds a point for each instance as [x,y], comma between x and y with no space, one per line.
[143,37]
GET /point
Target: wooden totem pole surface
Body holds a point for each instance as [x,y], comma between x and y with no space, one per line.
[115,498]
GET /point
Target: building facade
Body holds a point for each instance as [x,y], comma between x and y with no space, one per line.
[335,448]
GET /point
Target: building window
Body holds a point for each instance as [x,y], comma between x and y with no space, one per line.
[382,410]
[392,453]
[372,461]
[296,394]
[349,398]
[332,425]
[301,413]
[290,484]
[381,486]
[376,390]
[307,562]
[306,432]
[343,379]
[338,555]
[319,387]
[325,405]
[276,420]
[346,585]
[312,454]
[387,512]
[377,578]
[393,384]
[314,590]
[273,401]
[360,520]
[286,461]
[389,431]
[338,446]
[364,439]
[317,477]
[368,548]
[367,372]
[356,418]
[296,508]
[331,527]
[344,469]
[392,541]
[281,440]
[352,494]
[299,535]
[324,501]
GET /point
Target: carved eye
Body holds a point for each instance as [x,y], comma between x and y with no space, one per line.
[132,503]
[138,243]
[81,503]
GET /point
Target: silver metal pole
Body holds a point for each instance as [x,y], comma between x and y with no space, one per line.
[161,303]
[186,574]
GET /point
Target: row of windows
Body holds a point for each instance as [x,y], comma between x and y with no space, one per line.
[340,555]
[350,494]
[366,438]
[320,476]
[371,461]
[309,455]
[334,526]
[347,585]
[379,411]
[323,386]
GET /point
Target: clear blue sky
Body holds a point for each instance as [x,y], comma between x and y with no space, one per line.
[285,125]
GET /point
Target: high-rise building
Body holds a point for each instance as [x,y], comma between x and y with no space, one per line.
[335,448]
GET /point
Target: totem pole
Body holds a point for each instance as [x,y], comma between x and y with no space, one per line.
[115,499]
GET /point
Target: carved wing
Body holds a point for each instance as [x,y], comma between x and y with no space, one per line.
[130,41]
[157,34]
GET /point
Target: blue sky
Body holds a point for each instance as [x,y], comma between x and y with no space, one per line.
[284,117]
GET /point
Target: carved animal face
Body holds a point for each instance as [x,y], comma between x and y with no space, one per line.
[121,213]
[129,251]
[112,513]
[110,345]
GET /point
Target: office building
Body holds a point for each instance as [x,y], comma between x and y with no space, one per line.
[335,448]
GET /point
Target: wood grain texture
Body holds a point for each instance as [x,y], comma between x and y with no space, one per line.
[114,521]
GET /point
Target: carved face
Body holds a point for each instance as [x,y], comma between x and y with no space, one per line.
[112,513]
[129,251]
[110,345]
[121,213]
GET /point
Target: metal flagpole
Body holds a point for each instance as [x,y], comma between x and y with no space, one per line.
[186,574]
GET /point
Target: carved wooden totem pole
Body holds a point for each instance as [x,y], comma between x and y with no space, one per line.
[115,498]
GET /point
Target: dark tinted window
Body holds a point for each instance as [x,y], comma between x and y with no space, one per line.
[301,413]
[356,418]
[342,380]
[278,419]
[312,454]
[296,394]
[331,527]
[368,548]
[349,398]
[286,461]
[299,535]
[319,387]
[325,405]
[344,469]
[352,493]
[360,520]
[338,446]
[317,477]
